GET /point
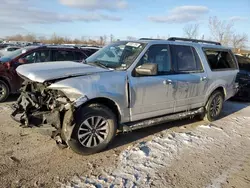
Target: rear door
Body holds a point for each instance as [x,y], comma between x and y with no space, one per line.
[189,78]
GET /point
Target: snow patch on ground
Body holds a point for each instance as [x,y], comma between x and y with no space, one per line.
[139,164]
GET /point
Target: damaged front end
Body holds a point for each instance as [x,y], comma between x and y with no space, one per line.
[38,105]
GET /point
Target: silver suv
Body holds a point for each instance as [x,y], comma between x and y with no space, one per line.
[125,86]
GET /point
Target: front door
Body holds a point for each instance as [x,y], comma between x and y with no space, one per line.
[152,95]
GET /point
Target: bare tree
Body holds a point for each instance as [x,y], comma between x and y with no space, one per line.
[42,39]
[131,38]
[15,37]
[104,39]
[30,37]
[191,31]
[221,31]
[239,41]
[111,38]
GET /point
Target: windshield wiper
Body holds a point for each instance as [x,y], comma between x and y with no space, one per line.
[97,63]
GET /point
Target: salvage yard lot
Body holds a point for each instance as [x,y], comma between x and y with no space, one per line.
[184,153]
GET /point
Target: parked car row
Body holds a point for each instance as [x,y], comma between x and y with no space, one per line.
[10,82]
[125,86]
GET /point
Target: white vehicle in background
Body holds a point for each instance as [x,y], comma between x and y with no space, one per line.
[8,50]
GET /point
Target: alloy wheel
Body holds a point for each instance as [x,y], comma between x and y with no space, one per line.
[2,90]
[93,131]
[215,106]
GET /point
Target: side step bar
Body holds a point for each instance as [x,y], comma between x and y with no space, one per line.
[158,120]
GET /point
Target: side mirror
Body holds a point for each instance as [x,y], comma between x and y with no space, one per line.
[148,69]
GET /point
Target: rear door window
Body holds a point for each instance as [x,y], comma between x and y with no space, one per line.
[220,59]
[185,59]
[63,55]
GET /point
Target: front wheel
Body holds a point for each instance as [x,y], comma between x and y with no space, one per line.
[95,128]
[214,106]
[4,91]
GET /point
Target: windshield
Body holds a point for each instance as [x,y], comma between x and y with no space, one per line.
[12,55]
[119,55]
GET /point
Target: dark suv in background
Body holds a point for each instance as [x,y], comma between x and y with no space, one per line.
[243,78]
[10,82]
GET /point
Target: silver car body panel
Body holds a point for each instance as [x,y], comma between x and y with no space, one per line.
[108,85]
[148,96]
[41,72]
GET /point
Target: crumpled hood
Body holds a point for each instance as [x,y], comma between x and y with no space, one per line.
[41,72]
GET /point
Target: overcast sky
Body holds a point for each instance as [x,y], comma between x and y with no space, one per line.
[138,18]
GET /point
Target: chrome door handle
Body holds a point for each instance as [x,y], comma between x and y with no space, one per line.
[167,82]
[204,78]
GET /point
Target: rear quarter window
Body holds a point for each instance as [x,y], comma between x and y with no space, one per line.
[220,60]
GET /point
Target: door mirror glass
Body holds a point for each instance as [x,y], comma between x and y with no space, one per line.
[148,69]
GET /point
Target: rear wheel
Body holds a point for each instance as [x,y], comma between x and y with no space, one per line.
[213,107]
[4,91]
[95,128]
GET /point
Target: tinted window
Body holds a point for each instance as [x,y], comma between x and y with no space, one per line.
[12,49]
[63,55]
[220,59]
[243,62]
[89,52]
[157,54]
[79,56]
[37,56]
[185,59]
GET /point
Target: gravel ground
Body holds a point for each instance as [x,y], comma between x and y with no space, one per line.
[184,153]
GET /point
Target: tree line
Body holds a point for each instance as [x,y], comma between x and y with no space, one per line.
[220,31]
[56,39]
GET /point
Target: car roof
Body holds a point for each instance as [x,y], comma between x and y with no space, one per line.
[90,48]
[51,47]
[190,43]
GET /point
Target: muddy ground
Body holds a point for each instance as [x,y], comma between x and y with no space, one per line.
[186,153]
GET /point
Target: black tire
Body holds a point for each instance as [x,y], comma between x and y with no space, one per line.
[213,107]
[4,91]
[86,114]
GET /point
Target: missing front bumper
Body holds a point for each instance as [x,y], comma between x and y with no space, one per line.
[30,114]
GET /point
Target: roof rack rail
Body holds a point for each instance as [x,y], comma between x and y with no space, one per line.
[148,39]
[193,40]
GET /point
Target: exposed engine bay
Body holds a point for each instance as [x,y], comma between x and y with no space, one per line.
[38,105]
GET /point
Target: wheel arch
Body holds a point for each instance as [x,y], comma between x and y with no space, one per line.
[219,88]
[5,80]
[111,104]
[222,90]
